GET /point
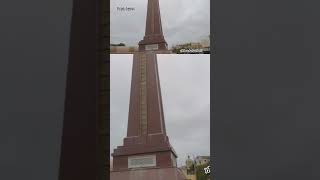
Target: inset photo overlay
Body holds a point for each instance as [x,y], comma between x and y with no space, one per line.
[179,26]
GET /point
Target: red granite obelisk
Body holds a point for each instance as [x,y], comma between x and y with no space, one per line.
[146,133]
[146,152]
[153,39]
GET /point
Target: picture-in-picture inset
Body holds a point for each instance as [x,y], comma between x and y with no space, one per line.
[177,26]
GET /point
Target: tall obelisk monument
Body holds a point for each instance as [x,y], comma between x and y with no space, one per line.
[146,152]
[153,39]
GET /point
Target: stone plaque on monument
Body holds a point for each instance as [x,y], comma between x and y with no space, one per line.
[151,47]
[142,161]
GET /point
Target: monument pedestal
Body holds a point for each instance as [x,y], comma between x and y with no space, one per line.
[153,42]
[144,152]
[149,174]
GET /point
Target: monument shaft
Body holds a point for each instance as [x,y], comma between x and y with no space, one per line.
[146,133]
[146,111]
[153,39]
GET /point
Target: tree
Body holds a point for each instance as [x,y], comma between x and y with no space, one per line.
[200,172]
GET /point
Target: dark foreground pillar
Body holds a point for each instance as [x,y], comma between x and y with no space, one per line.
[84,145]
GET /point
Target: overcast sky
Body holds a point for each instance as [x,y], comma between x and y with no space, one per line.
[185,87]
[182,21]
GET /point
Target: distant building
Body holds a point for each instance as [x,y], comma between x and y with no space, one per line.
[205,43]
[121,48]
[200,160]
[202,47]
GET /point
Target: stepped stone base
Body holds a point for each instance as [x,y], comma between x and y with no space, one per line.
[148,174]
